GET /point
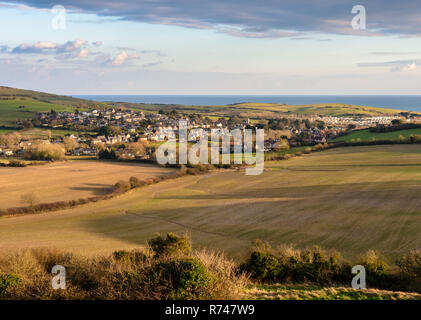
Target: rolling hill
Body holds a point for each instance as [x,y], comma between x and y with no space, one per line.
[350,199]
[18,104]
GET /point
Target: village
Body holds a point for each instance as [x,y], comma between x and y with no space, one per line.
[115,128]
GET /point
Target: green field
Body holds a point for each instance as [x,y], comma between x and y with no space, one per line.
[270,110]
[43,133]
[10,111]
[351,199]
[11,99]
[367,135]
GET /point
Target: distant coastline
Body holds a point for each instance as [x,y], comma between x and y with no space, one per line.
[401,102]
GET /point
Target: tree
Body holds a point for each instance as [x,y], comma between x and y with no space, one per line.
[351,126]
[10,139]
[28,124]
[29,199]
[397,122]
[275,134]
[69,143]
[139,148]
[49,135]
[133,149]
[320,124]
[49,152]
[108,131]
[282,145]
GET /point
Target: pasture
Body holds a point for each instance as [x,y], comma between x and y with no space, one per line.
[367,135]
[13,110]
[350,199]
[68,180]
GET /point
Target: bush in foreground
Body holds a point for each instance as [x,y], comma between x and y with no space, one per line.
[291,265]
[136,274]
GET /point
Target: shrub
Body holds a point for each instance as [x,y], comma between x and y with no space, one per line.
[410,269]
[122,186]
[192,171]
[107,154]
[183,279]
[134,182]
[264,266]
[50,152]
[375,268]
[410,264]
[30,199]
[293,265]
[171,245]
[16,163]
[8,281]
[132,274]
[134,256]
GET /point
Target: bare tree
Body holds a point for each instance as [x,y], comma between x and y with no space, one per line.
[69,143]
[29,199]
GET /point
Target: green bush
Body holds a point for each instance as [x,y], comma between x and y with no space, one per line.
[183,279]
[318,266]
[264,266]
[107,154]
[290,265]
[16,163]
[133,256]
[375,268]
[170,245]
[410,270]
[8,281]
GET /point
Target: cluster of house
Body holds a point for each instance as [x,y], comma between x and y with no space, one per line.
[126,119]
[359,121]
[138,126]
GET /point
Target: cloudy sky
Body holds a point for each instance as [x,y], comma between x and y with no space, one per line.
[211,47]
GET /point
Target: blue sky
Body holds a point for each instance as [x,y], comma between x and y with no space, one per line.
[211,47]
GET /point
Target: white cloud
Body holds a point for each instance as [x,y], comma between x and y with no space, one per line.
[409,67]
[83,53]
[121,58]
[50,47]
[45,45]
[72,45]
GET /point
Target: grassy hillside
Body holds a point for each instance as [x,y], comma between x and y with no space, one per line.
[330,109]
[268,110]
[17,104]
[351,199]
[20,94]
[367,135]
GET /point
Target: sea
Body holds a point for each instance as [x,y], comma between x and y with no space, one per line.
[401,102]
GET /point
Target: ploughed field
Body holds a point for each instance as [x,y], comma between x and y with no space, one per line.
[68,180]
[352,199]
